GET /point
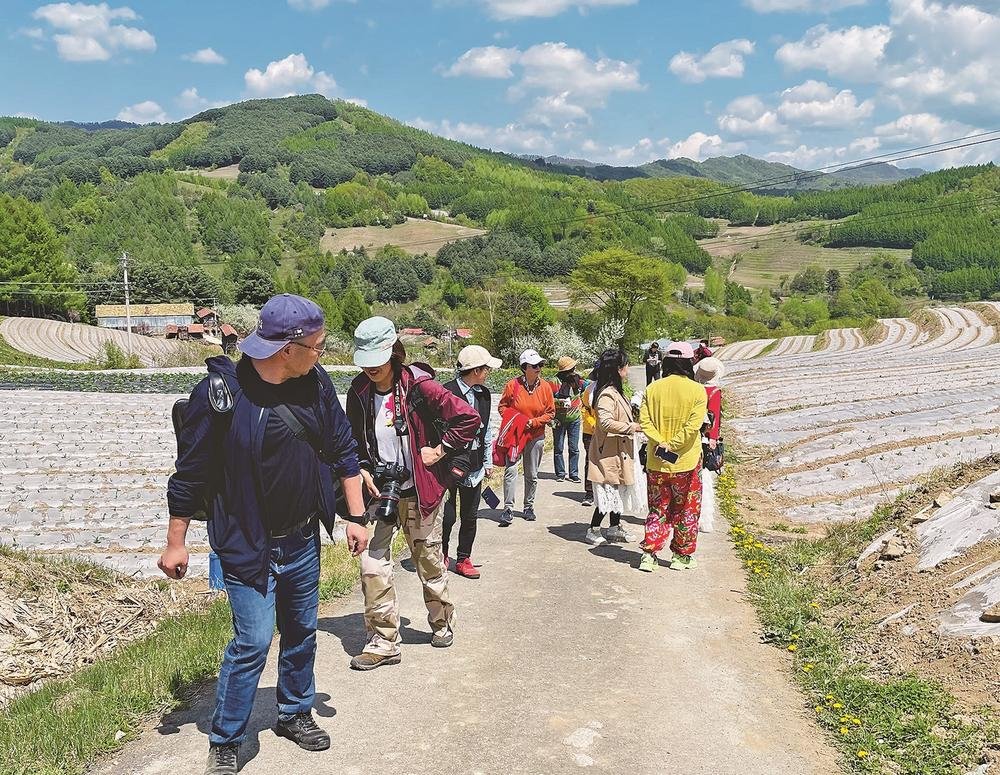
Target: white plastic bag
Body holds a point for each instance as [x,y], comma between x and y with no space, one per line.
[706,522]
[635,500]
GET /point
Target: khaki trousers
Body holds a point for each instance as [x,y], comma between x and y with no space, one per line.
[377,585]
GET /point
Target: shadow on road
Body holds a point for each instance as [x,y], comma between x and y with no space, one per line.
[198,711]
[349,629]
[577,531]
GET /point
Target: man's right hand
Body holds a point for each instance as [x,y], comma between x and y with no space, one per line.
[357,537]
[369,481]
[174,561]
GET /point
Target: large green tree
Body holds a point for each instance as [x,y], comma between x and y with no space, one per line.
[621,284]
[33,269]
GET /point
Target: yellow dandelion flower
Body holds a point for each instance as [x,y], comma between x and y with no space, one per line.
[862,754]
[843,730]
[792,647]
[856,721]
[837,706]
[819,708]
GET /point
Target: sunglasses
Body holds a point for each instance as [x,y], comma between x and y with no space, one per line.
[318,349]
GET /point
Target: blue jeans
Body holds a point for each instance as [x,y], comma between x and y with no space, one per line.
[293,595]
[571,433]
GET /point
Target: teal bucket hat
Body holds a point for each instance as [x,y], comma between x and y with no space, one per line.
[373,341]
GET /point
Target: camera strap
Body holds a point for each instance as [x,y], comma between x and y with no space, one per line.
[300,432]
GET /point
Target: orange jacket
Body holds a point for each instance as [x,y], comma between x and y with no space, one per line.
[539,406]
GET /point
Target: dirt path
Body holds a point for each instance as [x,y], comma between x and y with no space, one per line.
[566,657]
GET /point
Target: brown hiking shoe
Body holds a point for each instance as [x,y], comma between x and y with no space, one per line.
[368,661]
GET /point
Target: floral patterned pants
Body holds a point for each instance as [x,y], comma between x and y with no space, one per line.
[674,506]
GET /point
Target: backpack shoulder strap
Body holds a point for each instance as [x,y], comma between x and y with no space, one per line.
[299,431]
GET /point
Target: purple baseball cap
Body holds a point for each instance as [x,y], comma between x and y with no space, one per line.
[283,318]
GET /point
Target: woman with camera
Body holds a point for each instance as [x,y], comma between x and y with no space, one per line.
[407,427]
[672,413]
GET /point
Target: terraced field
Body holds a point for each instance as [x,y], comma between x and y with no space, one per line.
[78,343]
[836,432]
[86,473]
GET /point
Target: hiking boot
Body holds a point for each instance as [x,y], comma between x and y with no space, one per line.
[302,730]
[466,568]
[368,661]
[594,536]
[529,513]
[648,562]
[443,641]
[618,534]
[222,759]
[680,562]
[588,500]
[506,518]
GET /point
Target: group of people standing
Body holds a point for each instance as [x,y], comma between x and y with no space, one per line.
[267,453]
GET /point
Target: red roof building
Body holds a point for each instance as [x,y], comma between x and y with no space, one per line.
[463,333]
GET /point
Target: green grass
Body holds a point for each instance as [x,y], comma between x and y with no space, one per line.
[898,725]
[193,136]
[66,725]
[763,267]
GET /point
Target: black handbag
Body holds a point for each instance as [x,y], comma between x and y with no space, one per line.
[713,459]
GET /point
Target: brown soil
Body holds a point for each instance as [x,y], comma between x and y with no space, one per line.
[969,668]
[415,236]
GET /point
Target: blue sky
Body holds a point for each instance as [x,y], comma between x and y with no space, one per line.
[807,82]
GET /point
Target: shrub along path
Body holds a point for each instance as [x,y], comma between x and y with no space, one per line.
[565,657]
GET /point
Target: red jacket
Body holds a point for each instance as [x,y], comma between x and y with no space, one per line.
[512,437]
[715,407]
[460,424]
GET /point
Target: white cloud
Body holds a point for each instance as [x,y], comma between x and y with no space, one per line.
[700,146]
[86,33]
[205,56]
[485,62]
[35,33]
[513,137]
[810,158]
[749,115]
[724,60]
[818,104]
[917,129]
[357,101]
[147,112]
[570,82]
[801,6]
[191,100]
[519,9]
[853,52]
[284,77]
[311,5]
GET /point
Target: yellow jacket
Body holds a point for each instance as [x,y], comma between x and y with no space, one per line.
[588,412]
[673,410]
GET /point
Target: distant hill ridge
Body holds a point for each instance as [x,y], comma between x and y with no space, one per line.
[736,170]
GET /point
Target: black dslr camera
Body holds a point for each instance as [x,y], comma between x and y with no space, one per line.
[389,478]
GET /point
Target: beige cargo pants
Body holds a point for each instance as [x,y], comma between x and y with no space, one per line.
[381,605]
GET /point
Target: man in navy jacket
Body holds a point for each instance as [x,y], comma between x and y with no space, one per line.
[264,485]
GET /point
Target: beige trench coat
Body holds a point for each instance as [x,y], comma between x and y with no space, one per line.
[611,447]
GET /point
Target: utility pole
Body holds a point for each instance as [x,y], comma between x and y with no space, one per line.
[128,309]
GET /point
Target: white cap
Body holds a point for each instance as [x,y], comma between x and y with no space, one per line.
[474,356]
[530,357]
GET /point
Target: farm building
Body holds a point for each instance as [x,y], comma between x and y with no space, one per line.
[146,318]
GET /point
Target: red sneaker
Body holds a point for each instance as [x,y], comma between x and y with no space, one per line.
[466,568]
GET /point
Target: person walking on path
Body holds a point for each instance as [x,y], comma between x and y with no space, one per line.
[474,366]
[408,429]
[702,351]
[263,487]
[588,424]
[530,396]
[612,449]
[654,359]
[568,392]
[672,413]
[708,372]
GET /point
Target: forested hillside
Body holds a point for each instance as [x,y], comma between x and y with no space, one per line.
[75,197]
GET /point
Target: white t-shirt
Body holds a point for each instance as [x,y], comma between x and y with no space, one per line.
[391,447]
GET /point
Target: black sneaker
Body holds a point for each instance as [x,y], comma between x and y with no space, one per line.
[222,759]
[529,514]
[506,518]
[576,480]
[302,730]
